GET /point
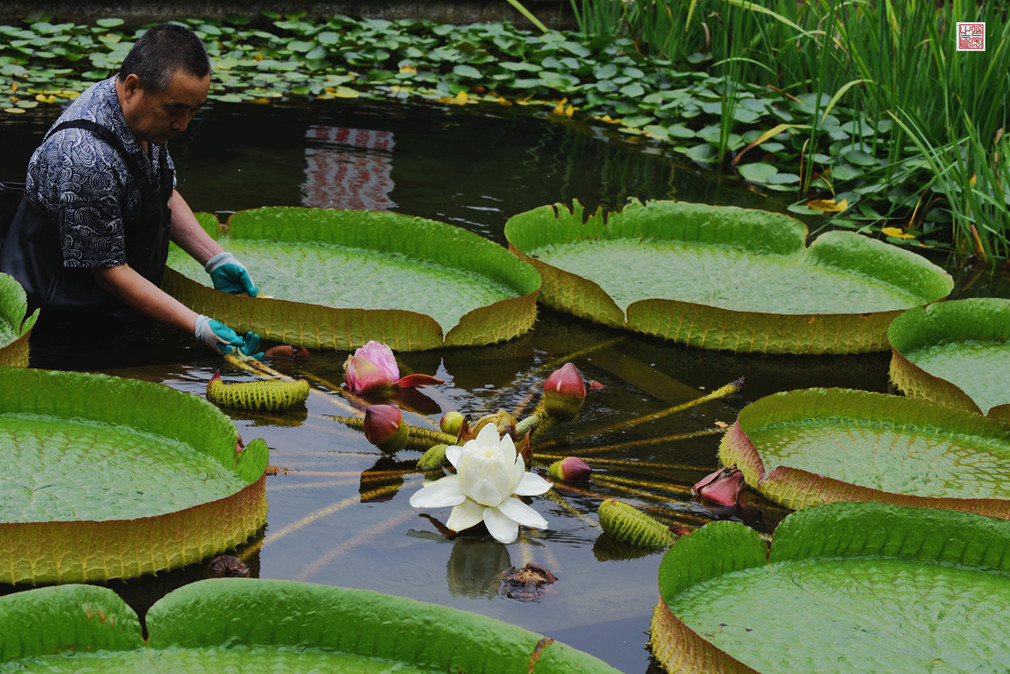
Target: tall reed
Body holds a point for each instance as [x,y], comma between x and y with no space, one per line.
[914,99]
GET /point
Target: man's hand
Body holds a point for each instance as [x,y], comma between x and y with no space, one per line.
[223,339]
[230,275]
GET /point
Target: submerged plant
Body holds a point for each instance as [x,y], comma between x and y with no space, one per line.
[490,474]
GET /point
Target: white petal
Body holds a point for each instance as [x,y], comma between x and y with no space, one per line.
[452,453]
[465,515]
[500,526]
[438,494]
[484,492]
[508,449]
[531,485]
[488,435]
[516,510]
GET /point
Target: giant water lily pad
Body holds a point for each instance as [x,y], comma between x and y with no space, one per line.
[815,446]
[723,277]
[338,279]
[956,353]
[847,587]
[252,625]
[114,478]
[15,323]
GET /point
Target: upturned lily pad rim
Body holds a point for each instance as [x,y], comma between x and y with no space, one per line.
[240,612]
[829,533]
[14,312]
[950,322]
[750,230]
[403,330]
[798,488]
[88,550]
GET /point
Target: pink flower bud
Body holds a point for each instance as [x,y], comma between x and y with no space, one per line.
[570,469]
[384,427]
[564,390]
[722,487]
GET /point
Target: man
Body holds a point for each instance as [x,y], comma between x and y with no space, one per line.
[90,239]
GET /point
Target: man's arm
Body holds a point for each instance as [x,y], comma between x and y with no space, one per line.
[227,273]
[144,297]
[187,233]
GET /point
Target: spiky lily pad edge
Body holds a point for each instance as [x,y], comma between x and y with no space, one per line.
[229,614]
[981,318]
[798,489]
[713,327]
[832,532]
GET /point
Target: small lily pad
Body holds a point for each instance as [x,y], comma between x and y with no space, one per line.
[956,353]
[815,446]
[847,587]
[15,323]
[723,277]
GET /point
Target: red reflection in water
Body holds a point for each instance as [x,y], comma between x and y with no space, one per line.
[349,168]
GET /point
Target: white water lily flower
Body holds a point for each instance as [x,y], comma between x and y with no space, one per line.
[489,476]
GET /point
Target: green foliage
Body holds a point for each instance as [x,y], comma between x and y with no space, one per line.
[15,323]
[955,353]
[261,625]
[815,446]
[837,580]
[337,278]
[699,274]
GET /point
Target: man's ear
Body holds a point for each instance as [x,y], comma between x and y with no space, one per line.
[131,86]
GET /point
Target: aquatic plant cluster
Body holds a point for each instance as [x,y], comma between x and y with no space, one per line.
[843,141]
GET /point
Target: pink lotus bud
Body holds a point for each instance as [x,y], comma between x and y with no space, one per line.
[384,427]
[722,487]
[451,422]
[373,368]
[564,390]
[570,469]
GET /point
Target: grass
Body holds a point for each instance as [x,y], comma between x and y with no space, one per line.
[933,114]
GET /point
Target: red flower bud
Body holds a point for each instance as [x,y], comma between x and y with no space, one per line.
[722,487]
[384,427]
[570,469]
[564,390]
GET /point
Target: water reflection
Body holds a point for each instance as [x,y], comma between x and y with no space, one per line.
[348,168]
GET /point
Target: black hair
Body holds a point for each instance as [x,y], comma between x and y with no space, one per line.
[160,52]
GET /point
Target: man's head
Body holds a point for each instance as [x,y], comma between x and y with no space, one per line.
[163,81]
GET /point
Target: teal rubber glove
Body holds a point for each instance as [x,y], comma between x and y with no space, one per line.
[218,336]
[251,346]
[230,275]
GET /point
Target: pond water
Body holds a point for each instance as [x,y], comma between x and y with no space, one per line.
[338,510]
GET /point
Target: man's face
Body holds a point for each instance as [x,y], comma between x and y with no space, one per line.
[158,116]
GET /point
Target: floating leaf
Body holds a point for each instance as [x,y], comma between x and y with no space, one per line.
[15,323]
[956,353]
[814,446]
[340,278]
[115,478]
[853,587]
[225,625]
[723,277]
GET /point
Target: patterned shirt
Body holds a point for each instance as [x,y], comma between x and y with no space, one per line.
[84,184]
